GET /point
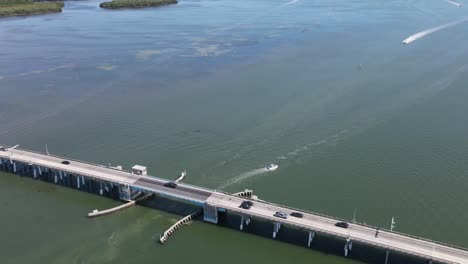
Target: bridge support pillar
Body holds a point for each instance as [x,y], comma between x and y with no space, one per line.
[124,192]
[386,256]
[78,182]
[55,178]
[14,167]
[276,228]
[311,238]
[39,170]
[348,246]
[100,188]
[210,213]
[248,220]
[34,173]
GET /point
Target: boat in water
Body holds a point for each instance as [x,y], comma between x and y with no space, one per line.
[272,167]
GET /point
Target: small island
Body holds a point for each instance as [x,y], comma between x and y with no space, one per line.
[28,7]
[117,4]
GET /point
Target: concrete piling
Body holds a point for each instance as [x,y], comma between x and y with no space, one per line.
[348,246]
[311,238]
[276,228]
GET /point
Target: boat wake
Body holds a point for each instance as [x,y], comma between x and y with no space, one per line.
[332,139]
[288,3]
[252,19]
[432,30]
[454,3]
[243,177]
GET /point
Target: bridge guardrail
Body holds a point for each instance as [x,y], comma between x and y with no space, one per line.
[358,223]
[266,202]
[71,159]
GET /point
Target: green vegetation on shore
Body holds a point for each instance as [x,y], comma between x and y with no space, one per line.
[28,7]
[116,4]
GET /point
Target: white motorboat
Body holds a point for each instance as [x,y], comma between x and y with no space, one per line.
[272,167]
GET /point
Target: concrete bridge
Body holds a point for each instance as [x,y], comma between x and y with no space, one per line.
[122,185]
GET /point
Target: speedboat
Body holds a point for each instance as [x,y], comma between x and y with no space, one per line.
[272,167]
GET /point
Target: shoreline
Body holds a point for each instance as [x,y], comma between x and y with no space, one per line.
[29,8]
[134,4]
[24,8]
[30,14]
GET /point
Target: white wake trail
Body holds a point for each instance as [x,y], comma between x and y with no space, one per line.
[432,30]
[243,177]
[250,20]
[454,3]
[288,3]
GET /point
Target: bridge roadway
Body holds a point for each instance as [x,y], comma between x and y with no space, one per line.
[261,209]
[356,232]
[152,184]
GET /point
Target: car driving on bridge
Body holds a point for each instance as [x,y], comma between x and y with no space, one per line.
[342,224]
[297,214]
[246,205]
[171,184]
[281,215]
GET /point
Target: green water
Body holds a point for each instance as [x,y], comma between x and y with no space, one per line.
[355,119]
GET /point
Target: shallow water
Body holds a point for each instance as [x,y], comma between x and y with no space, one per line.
[354,118]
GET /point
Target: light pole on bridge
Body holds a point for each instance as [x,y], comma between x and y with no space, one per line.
[392,225]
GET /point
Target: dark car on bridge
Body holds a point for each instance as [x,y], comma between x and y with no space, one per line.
[170,184]
[66,162]
[246,205]
[342,224]
[297,214]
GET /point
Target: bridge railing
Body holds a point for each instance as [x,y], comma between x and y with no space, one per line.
[266,202]
[71,159]
[358,223]
[108,167]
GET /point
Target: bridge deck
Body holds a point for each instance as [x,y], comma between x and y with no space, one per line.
[153,184]
[260,209]
[356,232]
